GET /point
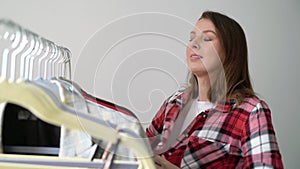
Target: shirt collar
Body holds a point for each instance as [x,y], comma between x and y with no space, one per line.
[223,106]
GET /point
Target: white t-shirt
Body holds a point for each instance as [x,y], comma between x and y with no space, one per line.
[197,107]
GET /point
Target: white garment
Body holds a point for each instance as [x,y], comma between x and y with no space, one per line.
[197,107]
[75,143]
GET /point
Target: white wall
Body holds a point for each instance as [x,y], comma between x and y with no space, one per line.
[132,52]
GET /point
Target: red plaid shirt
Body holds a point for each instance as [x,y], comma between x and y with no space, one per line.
[222,137]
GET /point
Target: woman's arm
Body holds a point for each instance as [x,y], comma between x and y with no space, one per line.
[155,128]
[259,143]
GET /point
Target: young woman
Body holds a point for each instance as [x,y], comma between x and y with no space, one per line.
[217,121]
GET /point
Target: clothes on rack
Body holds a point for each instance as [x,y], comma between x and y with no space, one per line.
[30,80]
[21,128]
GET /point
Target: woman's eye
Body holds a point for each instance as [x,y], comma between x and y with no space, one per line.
[207,39]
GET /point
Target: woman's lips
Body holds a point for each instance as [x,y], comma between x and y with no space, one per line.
[195,56]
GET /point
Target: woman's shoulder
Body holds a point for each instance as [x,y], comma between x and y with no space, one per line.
[180,96]
[252,103]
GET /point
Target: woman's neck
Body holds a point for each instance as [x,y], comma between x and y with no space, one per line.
[203,88]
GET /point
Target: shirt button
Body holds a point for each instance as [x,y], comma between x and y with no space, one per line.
[169,153]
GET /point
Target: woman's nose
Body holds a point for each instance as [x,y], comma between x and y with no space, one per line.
[195,45]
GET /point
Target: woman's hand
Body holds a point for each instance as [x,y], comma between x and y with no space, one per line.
[162,163]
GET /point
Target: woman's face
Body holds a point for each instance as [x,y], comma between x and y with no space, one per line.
[204,51]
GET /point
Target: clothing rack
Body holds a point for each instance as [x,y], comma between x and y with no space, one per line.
[36,74]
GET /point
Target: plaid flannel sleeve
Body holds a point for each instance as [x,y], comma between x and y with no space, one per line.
[154,130]
[259,143]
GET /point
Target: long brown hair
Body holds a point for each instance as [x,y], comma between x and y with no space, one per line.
[236,82]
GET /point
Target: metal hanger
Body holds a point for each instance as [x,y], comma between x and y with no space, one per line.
[42,101]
